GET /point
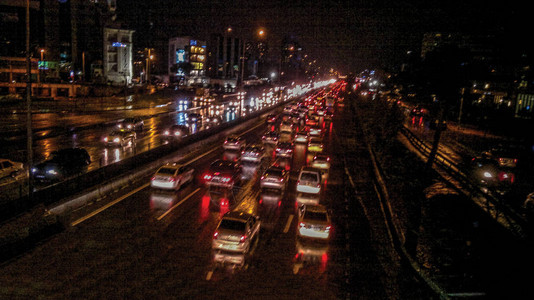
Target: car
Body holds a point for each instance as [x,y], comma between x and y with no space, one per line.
[234,142]
[315,145]
[271,119]
[321,161]
[253,153]
[172,176]
[194,118]
[135,124]
[309,180]
[176,131]
[62,164]
[314,222]
[302,137]
[284,149]
[270,137]
[286,126]
[213,121]
[315,131]
[120,137]
[274,177]
[10,168]
[223,173]
[504,157]
[236,232]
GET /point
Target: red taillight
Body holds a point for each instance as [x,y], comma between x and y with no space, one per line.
[302,224]
[262,177]
[277,149]
[327,229]
[215,235]
[172,179]
[207,177]
[225,179]
[243,238]
[153,178]
[281,179]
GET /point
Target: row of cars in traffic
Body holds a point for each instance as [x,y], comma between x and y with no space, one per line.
[237,230]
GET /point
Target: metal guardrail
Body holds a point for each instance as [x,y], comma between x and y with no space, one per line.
[61,190]
[496,207]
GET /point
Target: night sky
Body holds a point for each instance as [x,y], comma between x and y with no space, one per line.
[347,35]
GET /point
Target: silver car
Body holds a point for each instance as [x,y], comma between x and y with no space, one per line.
[274,177]
[172,176]
[253,153]
[236,232]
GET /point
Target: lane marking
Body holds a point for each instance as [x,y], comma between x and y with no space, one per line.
[110,204]
[177,204]
[288,224]
[208,276]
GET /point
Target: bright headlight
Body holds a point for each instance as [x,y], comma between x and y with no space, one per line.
[488,174]
[52,171]
[116,140]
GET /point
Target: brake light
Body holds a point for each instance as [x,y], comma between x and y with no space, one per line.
[225,179]
[262,177]
[327,229]
[281,179]
[153,178]
[302,224]
[243,238]
[215,235]
[172,179]
[207,177]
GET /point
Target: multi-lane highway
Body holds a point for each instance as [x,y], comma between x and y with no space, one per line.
[143,242]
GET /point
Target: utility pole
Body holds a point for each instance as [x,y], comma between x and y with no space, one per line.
[29,140]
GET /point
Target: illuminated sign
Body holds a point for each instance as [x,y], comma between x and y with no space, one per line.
[119,45]
[193,42]
[180,56]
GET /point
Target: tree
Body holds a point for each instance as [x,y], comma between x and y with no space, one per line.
[443,77]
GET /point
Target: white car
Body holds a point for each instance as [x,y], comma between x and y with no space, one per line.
[10,168]
[234,143]
[274,177]
[172,176]
[253,153]
[236,231]
[321,161]
[309,180]
[314,222]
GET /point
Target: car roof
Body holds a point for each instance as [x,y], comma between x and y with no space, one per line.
[310,169]
[172,165]
[237,215]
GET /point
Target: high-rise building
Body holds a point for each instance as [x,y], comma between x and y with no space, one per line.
[187,61]
[118,67]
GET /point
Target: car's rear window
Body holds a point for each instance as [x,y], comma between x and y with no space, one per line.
[232,140]
[166,171]
[222,166]
[309,176]
[316,216]
[273,173]
[232,225]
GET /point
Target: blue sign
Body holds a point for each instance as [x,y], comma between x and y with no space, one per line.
[119,45]
[193,42]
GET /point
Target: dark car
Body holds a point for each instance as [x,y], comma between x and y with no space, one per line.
[194,118]
[135,124]
[223,173]
[62,164]
[176,131]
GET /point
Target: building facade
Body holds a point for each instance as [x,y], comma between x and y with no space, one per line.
[118,68]
[187,61]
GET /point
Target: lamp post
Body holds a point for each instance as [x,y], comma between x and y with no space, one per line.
[148,59]
[29,139]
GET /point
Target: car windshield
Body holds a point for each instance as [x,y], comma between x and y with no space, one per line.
[232,225]
[166,171]
[308,176]
[232,139]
